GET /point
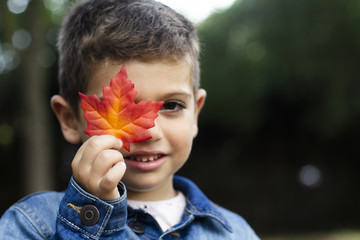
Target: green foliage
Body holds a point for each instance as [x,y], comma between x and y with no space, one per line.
[304,53]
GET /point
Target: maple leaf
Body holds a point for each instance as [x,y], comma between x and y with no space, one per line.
[117,113]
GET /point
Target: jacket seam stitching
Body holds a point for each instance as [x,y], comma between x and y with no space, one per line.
[88,197]
[76,227]
[33,222]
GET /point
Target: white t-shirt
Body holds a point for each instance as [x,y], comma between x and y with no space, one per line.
[166,212]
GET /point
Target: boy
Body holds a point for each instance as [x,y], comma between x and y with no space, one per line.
[115,194]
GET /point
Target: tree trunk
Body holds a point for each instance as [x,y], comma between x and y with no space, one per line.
[38,170]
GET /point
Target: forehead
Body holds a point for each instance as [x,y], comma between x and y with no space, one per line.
[161,77]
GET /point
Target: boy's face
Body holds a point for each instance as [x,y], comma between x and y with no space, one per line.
[151,164]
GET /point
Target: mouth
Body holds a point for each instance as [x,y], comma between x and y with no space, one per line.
[144,157]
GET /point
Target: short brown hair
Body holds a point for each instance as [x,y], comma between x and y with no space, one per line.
[121,30]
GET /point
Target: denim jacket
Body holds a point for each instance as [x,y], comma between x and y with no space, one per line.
[76,214]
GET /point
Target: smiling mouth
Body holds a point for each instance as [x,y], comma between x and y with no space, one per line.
[145,158]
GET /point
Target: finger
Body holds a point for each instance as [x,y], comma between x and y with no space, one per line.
[104,161]
[83,160]
[96,144]
[113,176]
[78,156]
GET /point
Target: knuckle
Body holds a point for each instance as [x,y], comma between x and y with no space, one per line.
[117,156]
[110,155]
[104,155]
[109,182]
[112,137]
[93,142]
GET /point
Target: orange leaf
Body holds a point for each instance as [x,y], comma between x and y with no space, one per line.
[117,114]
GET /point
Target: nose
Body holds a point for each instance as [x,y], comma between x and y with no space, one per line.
[155,132]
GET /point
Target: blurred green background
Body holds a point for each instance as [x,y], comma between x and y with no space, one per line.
[280,133]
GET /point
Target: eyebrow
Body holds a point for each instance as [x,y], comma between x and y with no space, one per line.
[177,94]
[187,95]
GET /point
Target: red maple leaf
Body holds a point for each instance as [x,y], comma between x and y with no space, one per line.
[117,114]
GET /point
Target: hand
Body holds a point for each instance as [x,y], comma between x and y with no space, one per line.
[98,166]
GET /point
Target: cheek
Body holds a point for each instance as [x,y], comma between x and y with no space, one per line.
[179,133]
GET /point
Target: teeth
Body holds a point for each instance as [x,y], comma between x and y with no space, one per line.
[145,158]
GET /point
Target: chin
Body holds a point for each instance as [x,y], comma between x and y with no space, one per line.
[138,183]
[144,184]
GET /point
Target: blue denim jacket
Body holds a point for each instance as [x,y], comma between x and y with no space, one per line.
[53,215]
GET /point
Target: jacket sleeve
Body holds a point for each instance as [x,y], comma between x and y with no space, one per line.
[84,216]
[18,223]
[79,215]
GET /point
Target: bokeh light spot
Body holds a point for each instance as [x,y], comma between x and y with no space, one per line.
[17,6]
[9,58]
[21,39]
[310,176]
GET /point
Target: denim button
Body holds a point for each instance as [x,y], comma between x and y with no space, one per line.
[89,215]
[137,227]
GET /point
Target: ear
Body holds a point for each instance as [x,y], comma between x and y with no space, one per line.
[200,100]
[67,119]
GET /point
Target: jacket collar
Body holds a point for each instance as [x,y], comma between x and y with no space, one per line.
[197,203]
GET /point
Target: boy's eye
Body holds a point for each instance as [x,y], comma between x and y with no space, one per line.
[172,106]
